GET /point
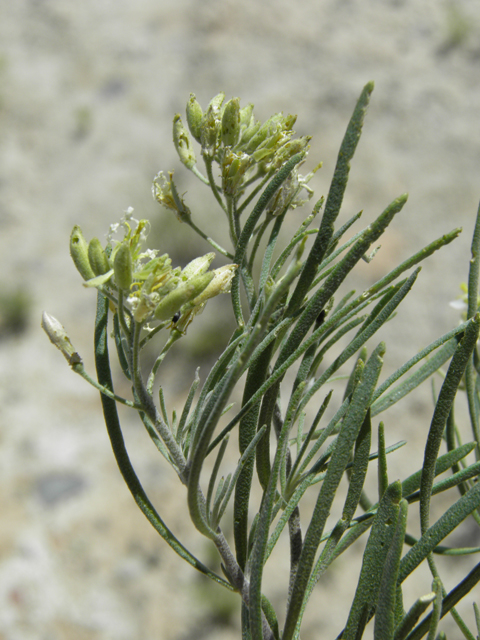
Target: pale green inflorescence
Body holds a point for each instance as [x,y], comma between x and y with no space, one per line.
[154,290]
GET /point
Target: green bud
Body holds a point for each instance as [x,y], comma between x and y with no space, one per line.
[267,130]
[79,253]
[231,123]
[194,117]
[249,132]
[198,266]
[290,148]
[97,257]
[173,301]
[246,115]
[123,267]
[234,168]
[210,132]
[266,150]
[217,101]
[183,143]
[211,126]
[220,283]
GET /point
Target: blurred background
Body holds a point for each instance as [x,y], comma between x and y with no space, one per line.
[88,91]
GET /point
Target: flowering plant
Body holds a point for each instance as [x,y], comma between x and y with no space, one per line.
[287,321]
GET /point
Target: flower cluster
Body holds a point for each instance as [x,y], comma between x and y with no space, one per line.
[152,288]
[244,148]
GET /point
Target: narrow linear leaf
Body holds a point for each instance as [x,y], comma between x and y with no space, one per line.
[338,275]
[382,462]
[356,481]
[440,530]
[334,198]
[411,617]
[348,434]
[374,558]
[412,382]
[437,609]
[274,184]
[386,606]
[448,460]
[449,602]
[187,406]
[441,412]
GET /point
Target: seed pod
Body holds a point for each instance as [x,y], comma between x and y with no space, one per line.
[231,123]
[173,301]
[79,253]
[194,117]
[97,257]
[183,143]
[123,267]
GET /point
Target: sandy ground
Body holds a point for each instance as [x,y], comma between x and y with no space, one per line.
[87,93]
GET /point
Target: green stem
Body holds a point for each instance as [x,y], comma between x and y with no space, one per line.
[211,180]
[80,369]
[112,422]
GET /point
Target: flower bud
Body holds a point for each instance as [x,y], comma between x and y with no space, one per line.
[246,115]
[220,283]
[211,126]
[79,253]
[173,301]
[231,123]
[216,101]
[249,132]
[97,257]
[183,143]
[234,168]
[198,266]
[123,267]
[58,336]
[210,132]
[194,117]
[289,149]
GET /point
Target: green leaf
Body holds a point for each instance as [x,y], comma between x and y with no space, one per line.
[440,530]
[448,460]
[352,423]
[411,617]
[374,558]
[318,301]
[449,602]
[382,462]
[442,409]
[274,184]
[386,606]
[334,199]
